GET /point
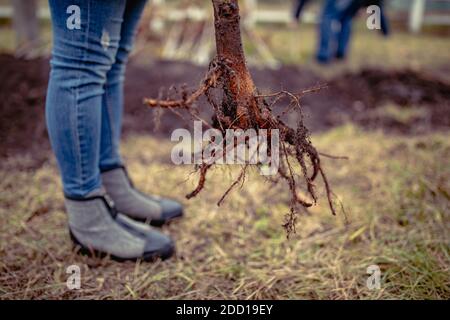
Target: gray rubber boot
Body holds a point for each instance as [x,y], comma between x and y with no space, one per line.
[100,230]
[135,204]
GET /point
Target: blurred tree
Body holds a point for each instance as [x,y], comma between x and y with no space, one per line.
[26,26]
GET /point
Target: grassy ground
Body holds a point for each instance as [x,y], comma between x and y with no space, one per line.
[396,192]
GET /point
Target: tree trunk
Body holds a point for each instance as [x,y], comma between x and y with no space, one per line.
[26,24]
[239,101]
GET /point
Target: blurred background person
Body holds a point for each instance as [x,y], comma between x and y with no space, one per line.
[299,5]
[332,10]
[346,21]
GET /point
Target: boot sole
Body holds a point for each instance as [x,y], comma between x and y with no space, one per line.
[163,254]
[158,222]
[161,222]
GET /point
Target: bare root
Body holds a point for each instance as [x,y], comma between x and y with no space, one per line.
[241,106]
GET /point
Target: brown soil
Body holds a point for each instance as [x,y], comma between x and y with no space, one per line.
[349,97]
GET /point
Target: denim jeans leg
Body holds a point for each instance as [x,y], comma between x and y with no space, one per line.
[86,35]
[326,33]
[384,21]
[113,97]
[346,21]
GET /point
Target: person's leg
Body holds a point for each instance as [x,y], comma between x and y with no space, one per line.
[86,37]
[326,31]
[85,40]
[346,21]
[127,199]
[299,6]
[384,20]
[113,97]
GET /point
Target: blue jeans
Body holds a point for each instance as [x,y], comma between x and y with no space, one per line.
[327,34]
[346,20]
[85,92]
[330,29]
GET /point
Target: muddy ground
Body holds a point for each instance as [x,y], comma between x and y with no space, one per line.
[421,101]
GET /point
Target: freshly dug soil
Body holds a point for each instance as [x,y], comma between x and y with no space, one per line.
[356,97]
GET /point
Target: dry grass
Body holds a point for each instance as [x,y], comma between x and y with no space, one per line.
[395,189]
